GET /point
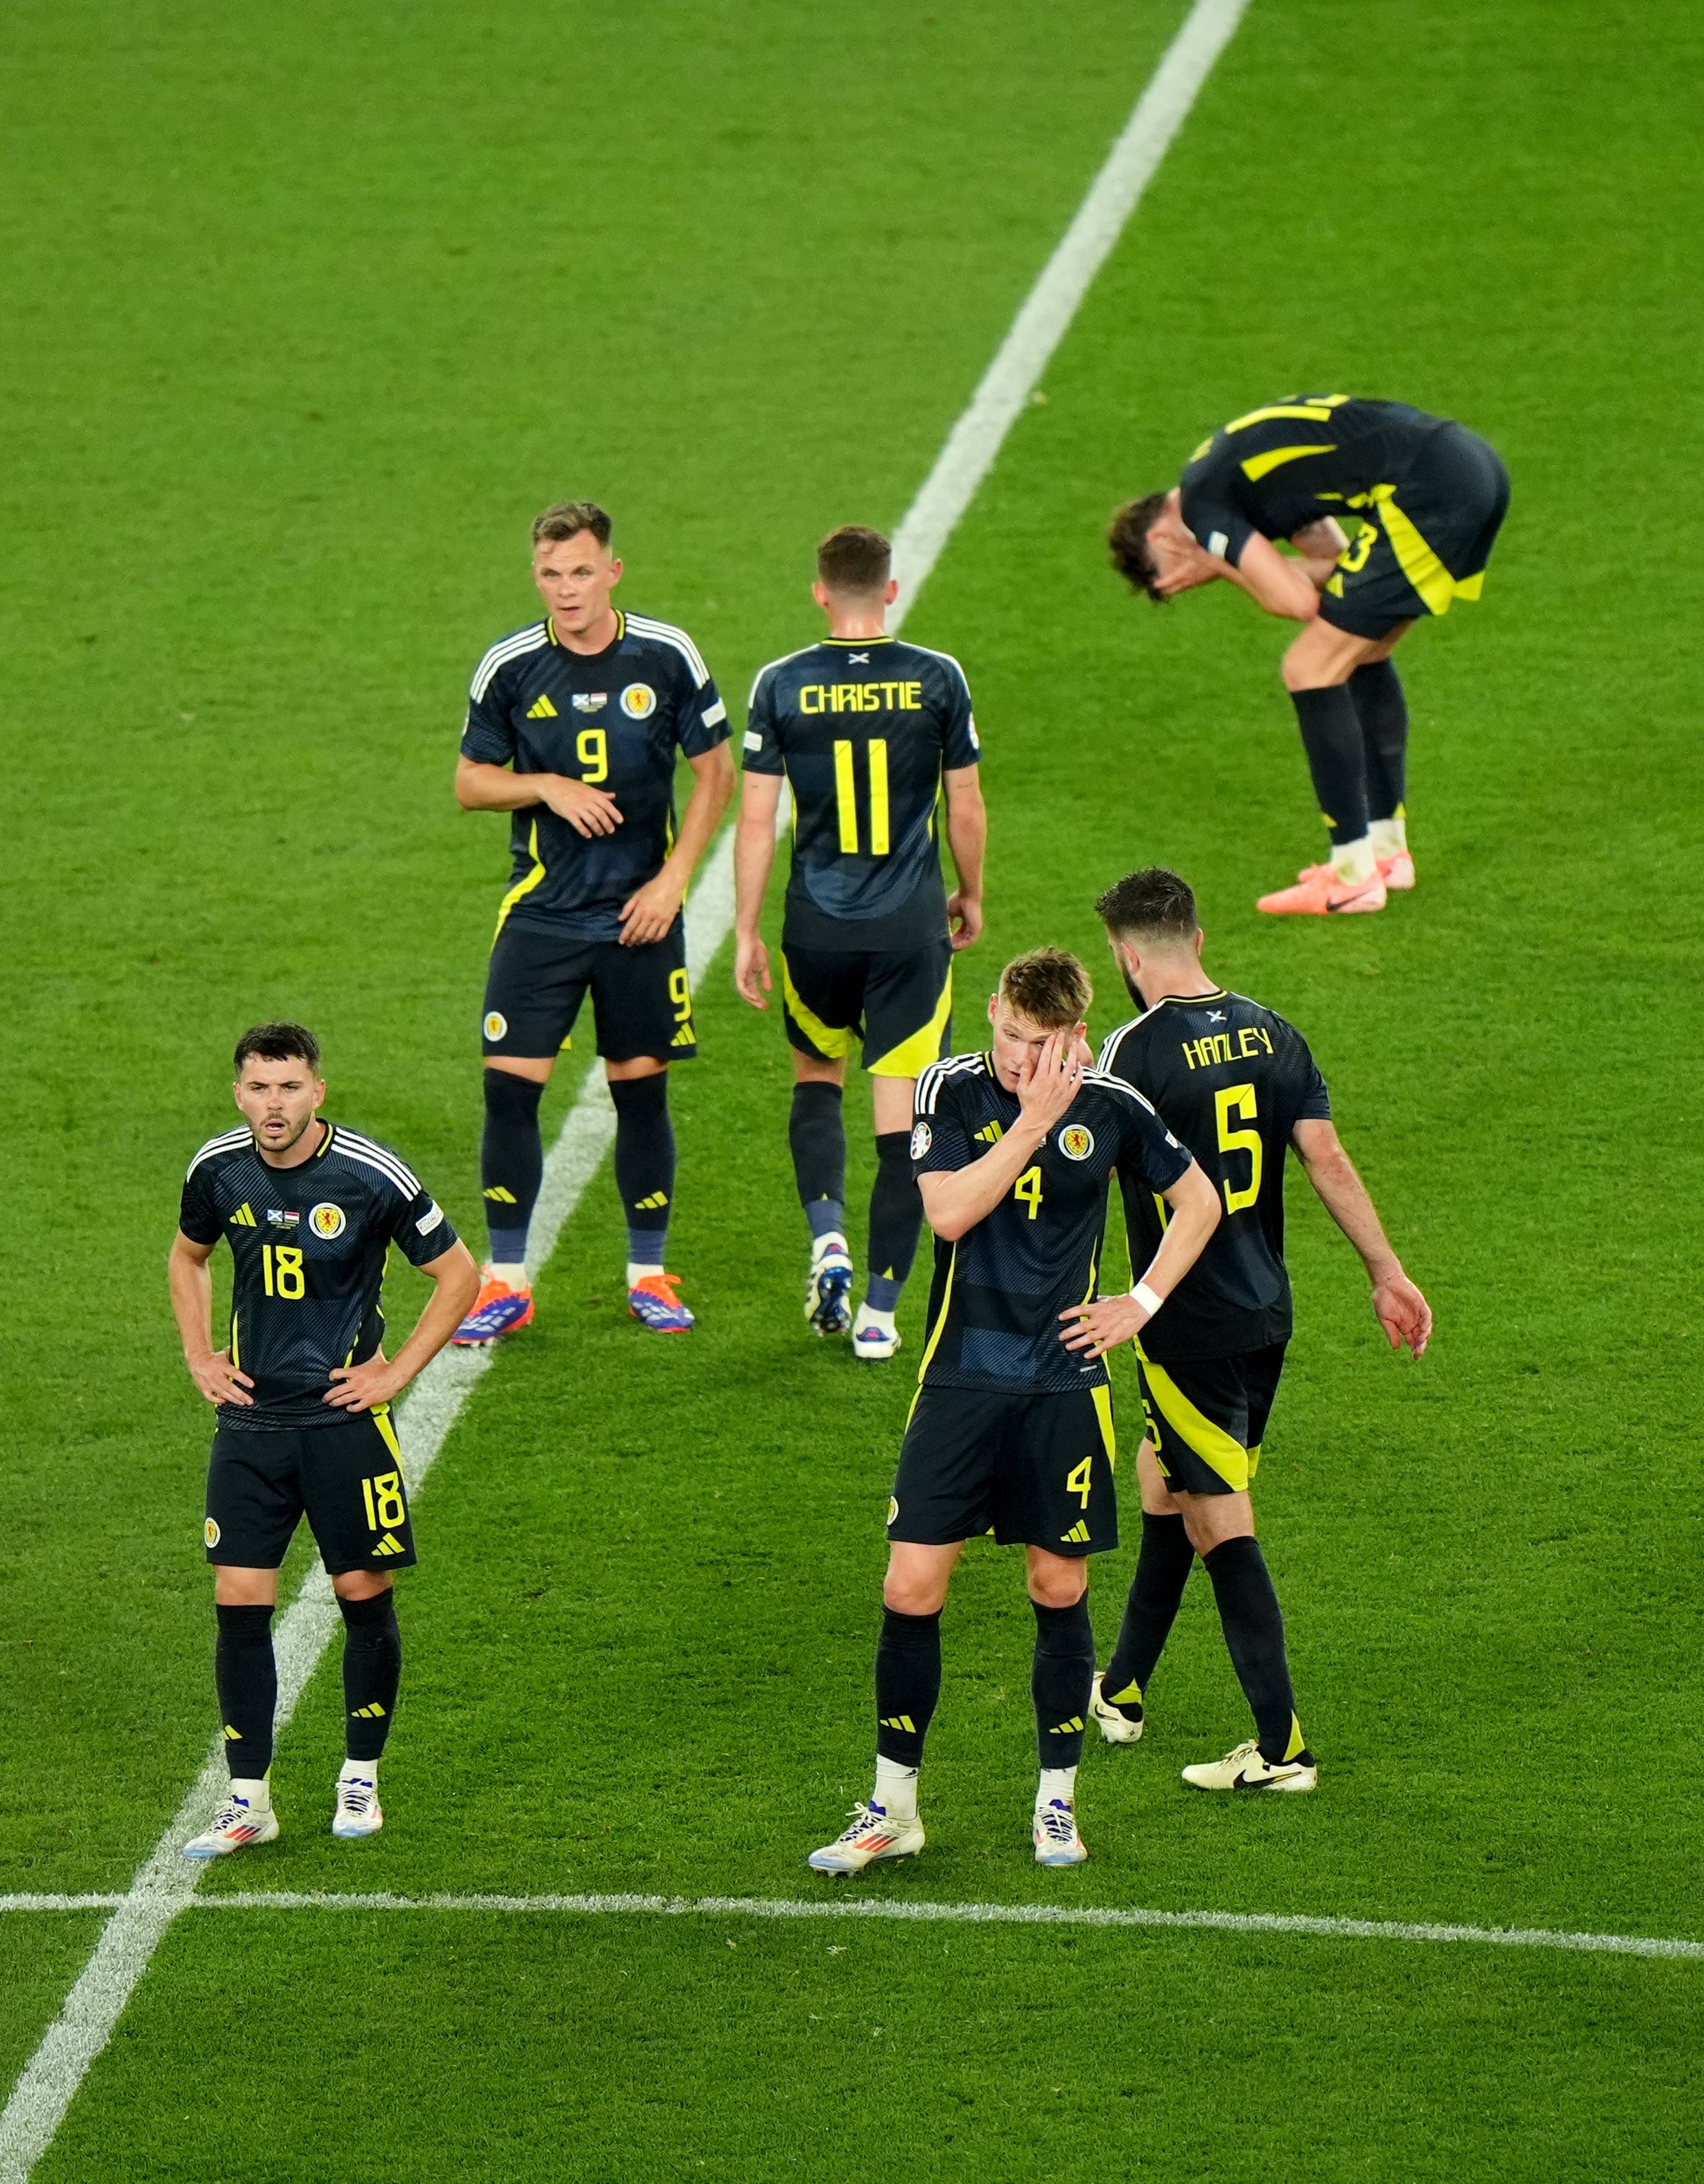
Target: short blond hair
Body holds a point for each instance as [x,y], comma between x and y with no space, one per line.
[567,519]
[1048,987]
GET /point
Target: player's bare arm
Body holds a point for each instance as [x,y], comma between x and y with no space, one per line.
[753,855]
[192,1304]
[479,787]
[454,1277]
[1402,1312]
[967,835]
[650,913]
[1050,1077]
[1102,1326]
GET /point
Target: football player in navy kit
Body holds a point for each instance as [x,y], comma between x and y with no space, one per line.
[304,1392]
[1011,1427]
[573,727]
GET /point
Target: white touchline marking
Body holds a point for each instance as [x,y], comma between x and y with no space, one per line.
[972,1914]
[167,1881]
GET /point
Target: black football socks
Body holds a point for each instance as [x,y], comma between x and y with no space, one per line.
[1061,1678]
[372,1669]
[512,1163]
[908,1684]
[1156,1593]
[247,1675]
[1336,758]
[817,1134]
[1382,712]
[1254,1632]
[644,1163]
[896,1218]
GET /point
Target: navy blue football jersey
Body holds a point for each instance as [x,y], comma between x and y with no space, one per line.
[998,1293]
[614,718]
[310,1244]
[863,729]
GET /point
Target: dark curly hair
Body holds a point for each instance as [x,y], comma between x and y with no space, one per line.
[1126,539]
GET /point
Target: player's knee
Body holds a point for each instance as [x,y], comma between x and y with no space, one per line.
[909,1593]
[360,1584]
[1053,1586]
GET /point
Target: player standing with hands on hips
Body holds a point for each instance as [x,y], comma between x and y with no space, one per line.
[304,1390]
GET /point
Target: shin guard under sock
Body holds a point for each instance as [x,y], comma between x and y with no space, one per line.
[1254,1632]
[372,1669]
[247,1677]
[511,1161]
[644,1163]
[816,1131]
[1060,1680]
[896,1218]
[1382,712]
[908,1684]
[1162,1570]
[1336,758]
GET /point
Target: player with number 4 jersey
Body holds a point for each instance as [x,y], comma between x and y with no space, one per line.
[1238,1084]
[1012,1428]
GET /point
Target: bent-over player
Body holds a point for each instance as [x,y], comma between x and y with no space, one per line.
[1431,497]
[868,731]
[1011,1426]
[1238,1084]
[572,726]
[304,1390]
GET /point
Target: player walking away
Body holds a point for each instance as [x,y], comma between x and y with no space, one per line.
[1238,1085]
[1431,497]
[572,726]
[304,1390]
[866,730]
[1011,1426]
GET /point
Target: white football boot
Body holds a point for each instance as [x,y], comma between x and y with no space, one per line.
[1056,1840]
[236,1824]
[1244,1770]
[829,1287]
[358,1810]
[1116,1725]
[872,1836]
[871,1340]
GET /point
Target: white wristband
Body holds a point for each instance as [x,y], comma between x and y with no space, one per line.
[1149,1300]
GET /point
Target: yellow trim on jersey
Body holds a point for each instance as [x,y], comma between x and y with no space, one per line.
[331,1130]
[913,1056]
[877,752]
[522,887]
[1103,1411]
[1256,466]
[1222,1451]
[930,1346]
[832,1045]
[845,798]
[1317,413]
[621,632]
[381,1416]
[236,1348]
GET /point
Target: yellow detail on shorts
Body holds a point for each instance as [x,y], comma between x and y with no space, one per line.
[832,1045]
[389,1545]
[913,1056]
[1221,1451]
[1080,1481]
[523,886]
[1077,1536]
[846,798]
[1256,467]
[1416,559]
[1470,587]
[1103,1411]
[381,1416]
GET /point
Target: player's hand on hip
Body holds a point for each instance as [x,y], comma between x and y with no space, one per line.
[751,972]
[219,1380]
[964,920]
[1055,1080]
[1403,1313]
[1097,1328]
[588,810]
[650,914]
[359,1387]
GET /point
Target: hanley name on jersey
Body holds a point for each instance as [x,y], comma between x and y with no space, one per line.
[612,719]
[1233,1080]
[863,730]
[995,1301]
[310,1244]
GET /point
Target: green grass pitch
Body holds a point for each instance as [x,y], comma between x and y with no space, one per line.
[307,312]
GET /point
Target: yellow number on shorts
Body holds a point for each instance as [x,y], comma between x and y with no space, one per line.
[1028,1189]
[1079,1480]
[681,994]
[1238,1099]
[383,1495]
[1353,557]
[281,1270]
[592,748]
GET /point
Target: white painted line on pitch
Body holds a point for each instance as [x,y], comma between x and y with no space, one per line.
[167,1881]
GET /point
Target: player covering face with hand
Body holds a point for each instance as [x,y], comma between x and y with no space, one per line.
[1011,1427]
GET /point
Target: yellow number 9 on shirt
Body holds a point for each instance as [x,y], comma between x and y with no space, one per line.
[592,748]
